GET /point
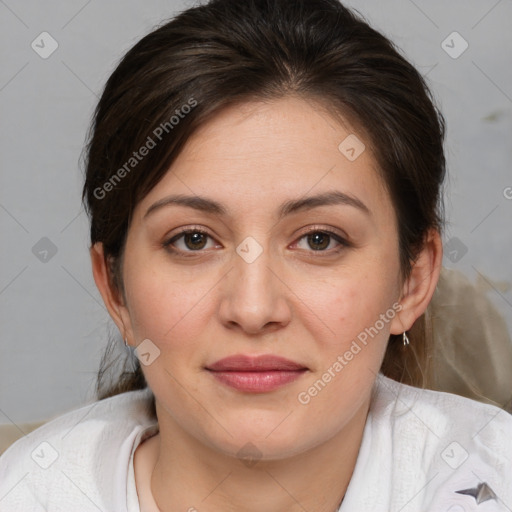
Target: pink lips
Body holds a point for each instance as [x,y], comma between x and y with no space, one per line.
[256,374]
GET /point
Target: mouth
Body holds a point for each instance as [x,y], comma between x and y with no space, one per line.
[259,374]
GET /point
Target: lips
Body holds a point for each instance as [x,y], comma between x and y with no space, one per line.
[258,374]
[241,363]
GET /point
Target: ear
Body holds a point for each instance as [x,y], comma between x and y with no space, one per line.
[112,297]
[419,287]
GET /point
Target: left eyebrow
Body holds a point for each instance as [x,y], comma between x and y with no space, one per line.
[325,199]
[287,208]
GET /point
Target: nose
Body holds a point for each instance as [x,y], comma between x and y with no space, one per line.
[254,296]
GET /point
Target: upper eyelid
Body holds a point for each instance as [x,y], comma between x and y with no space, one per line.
[305,231]
[332,231]
[342,238]
[184,231]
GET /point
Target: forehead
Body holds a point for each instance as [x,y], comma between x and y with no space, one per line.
[257,155]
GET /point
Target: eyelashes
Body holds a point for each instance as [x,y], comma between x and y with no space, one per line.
[186,235]
[321,236]
[194,241]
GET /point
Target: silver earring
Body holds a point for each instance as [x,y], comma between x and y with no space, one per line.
[405,339]
[128,348]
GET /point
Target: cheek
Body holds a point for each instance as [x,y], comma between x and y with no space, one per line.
[352,303]
[165,310]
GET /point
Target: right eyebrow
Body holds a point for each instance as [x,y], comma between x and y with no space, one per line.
[198,203]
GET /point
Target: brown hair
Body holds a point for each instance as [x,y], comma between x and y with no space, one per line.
[232,51]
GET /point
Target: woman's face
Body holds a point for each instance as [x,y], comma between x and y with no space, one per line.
[249,281]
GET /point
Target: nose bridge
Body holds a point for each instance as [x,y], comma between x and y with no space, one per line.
[252,276]
[253,296]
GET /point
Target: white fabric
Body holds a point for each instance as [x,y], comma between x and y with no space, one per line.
[419,447]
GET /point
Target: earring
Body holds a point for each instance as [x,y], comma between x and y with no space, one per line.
[128,347]
[405,339]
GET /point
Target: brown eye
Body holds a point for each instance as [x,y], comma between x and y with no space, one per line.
[189,240]
[322,241]
[318,240]
[195,240]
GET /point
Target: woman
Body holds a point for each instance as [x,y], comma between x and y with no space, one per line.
[264,186]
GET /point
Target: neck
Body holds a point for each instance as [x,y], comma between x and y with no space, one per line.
[188,475]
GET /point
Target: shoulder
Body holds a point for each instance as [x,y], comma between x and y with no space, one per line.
[80,450]
[442,414]
[447,443]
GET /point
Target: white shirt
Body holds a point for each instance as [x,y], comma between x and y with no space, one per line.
[419,448]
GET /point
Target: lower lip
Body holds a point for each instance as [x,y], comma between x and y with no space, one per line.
[257,382]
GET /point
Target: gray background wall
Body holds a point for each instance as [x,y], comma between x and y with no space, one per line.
[53,323]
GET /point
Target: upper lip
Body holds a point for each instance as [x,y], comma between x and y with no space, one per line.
[243,363]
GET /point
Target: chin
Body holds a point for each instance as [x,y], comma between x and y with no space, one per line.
[264,442]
